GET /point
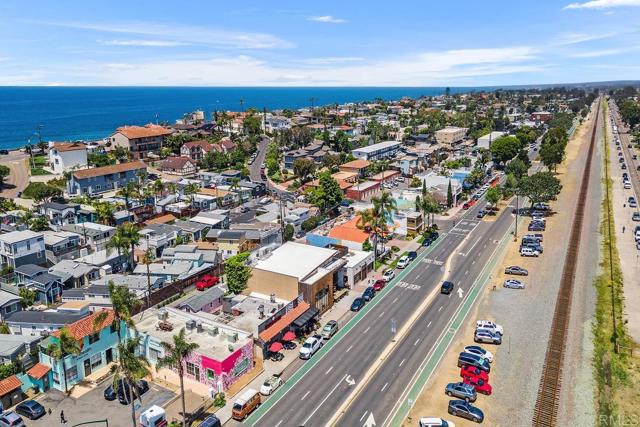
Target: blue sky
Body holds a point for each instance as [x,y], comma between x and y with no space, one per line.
[327,43]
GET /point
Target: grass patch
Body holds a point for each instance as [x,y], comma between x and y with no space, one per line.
[616,373]
[39,171]
[39,161]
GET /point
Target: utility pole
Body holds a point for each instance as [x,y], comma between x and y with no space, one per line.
[515,233]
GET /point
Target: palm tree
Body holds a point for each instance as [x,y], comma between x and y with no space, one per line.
[175,356]
[366,221]
[147,259]
[172,187]
[104,212]
[123,303]
[66,345]
[119,241]
[132,235]
[131,367]
[158,186]
[142,175]
[129,191]
[383,209]
[191,189]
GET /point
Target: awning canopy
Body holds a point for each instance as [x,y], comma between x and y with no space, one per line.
[273,330]
[306,317]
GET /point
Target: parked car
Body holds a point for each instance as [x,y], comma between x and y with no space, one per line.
[536,226]
[11,419]
[529,252]
[461,391]
[481,213]
[631,201]
[310,347]
[533,244]
[412,255]
[403,262]
[635,216]
[388,275]
[479,351]
[626,185]
[124,394]
[368,294]
[270,385]
[513,284]
[487,337]
[211,421]
[379,285]
[357,304]
[516,270]
[434,422]
[329,330]
[468,371]
[447,287]
[473,360]
[534,236]
[30,409]
[466,206]
[245,404]
[480,385]
[207,282]
[462,409]
[488,324]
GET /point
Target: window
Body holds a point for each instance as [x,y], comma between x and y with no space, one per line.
[192,369]
[28,245]
[211,375]
[241,367]
[72,374]
[94,337]
[56,377]
[154,354]
[96,360]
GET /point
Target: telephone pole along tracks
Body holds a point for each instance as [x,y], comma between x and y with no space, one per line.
[546,408]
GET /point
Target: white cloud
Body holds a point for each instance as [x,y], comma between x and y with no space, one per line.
[327,19]
[598,53]
[329,60]
[602,4]
[184,34]
[143,43]
[575,38]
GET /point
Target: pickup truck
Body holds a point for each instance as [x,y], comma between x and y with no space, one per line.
[310,346]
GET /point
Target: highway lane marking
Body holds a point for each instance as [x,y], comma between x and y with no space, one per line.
[417,341]
[349,349]
[394,300]
[329,370]
[367,330]
[473,246]
[440,309]
[427,327]
[401,363]
[362,417]
[466,272]
[380,315]
[324,400]
[384,387]
[279,422]
[306,394]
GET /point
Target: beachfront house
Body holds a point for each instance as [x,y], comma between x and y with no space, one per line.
[64,156]
[141,141]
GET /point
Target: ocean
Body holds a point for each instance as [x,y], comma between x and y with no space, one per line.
[86,113]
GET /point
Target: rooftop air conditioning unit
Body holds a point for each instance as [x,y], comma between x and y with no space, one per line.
[214,331]
[163,314]
[190,325]
[233,337]
[199,327]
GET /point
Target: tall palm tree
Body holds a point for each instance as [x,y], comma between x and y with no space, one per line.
[142,176]
[158,186]
[66,345]
[172,187]
[131,368]
[129,192]
[123,303]
[147,259]
[366,221]
[384,207]
[132,235]
[175,356]
[104,212]
[119,241]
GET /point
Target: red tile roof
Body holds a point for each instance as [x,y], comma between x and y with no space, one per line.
[85,327]
[273,330]
[68,146]
[163,219]
[205,145]
[106,170]
[38,371]
[9,384]
[349,231]
[147,131]
[356,164]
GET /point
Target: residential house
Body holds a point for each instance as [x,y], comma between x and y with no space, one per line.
[259,234]
[48,287]
[198,254]
[359,265]
[359,167]
[17,348]
[196,150]
[541,116]
[385,177]
[22,247]
[224,353]
[61,245]
[11,391]
[65,156]
[228,242]
[107,178]
[314,275]
[208,301]
[349,234]
[140,140]
[39,323]
[363,191]
[9,303]
[275,124]
[438,185]
[256,189]
[214,219]
[136,283]
[75,274]
[60,214]
[27,272]
[158,237]
[107,261]
[95,235]
[192,231]
[381,150]
[296,217]
[99,349]
[182,166]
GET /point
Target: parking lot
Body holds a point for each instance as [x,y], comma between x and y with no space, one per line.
[92,406]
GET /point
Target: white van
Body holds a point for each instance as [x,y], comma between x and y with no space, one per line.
[434,422]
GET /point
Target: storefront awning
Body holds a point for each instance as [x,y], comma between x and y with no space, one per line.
[306,317]
[273,330]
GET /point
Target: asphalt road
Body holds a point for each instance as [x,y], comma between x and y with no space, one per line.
[18,176]
[313,397]
[254,168]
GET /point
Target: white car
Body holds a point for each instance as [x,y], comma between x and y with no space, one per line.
[434,422]
[488,324]
[479,351]
[271,384]
[403,262]
[310,346]
[388,275]
[526,251]
[513,284]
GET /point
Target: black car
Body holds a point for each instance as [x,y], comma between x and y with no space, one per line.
[428,240]
[481,213]
[412,255]
[460,408]
[124,395]
[357,304]
[369,293]
[30,409]
[446,288]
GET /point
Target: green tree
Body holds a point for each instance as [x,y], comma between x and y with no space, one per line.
[449,195]
[328,194]
[190,190]
[65,344]
[119,242]
[132,236]
[39,223]
[366,245]
[4,329]
[176,355]
[4,172]
[28,297]
[131,368]
[237,272]
[540,187]
[129,191]
[303,167]
[493,196]
[39,192]
[8,369]
[288,232]
[556,135]
[505,148]
[517,168]
[147,260]
[104,212]
[551,155]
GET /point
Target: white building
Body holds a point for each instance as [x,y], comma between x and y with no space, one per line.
[486,140]
[22,247]
[377,151]
[64,156]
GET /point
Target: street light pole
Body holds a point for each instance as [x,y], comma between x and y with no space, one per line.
[515,233]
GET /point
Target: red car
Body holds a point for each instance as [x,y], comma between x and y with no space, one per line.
[379,285]
[479,384]
[207,282]
[466,206]
[468,371]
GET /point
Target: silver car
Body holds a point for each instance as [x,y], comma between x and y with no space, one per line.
[513,284]
[487,337]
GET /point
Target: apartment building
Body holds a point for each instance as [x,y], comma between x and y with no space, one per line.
[140,140]
[107,178]
[450,135]
[22,247]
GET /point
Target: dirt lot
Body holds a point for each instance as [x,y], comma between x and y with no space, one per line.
[526,318]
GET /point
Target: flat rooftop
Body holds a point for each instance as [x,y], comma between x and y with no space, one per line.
[307,259]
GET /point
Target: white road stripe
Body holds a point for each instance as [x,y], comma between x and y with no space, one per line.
[401,363]
[362,417]
[329,370]
[417,341]
[384,386]
[429,324]
[381,314]
[306,394]
[367,330]
[440,309]
[349,349]
[394,300]
[279,422]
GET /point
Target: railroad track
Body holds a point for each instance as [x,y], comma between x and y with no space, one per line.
[546,408]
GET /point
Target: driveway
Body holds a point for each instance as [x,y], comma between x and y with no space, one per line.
[92,406]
